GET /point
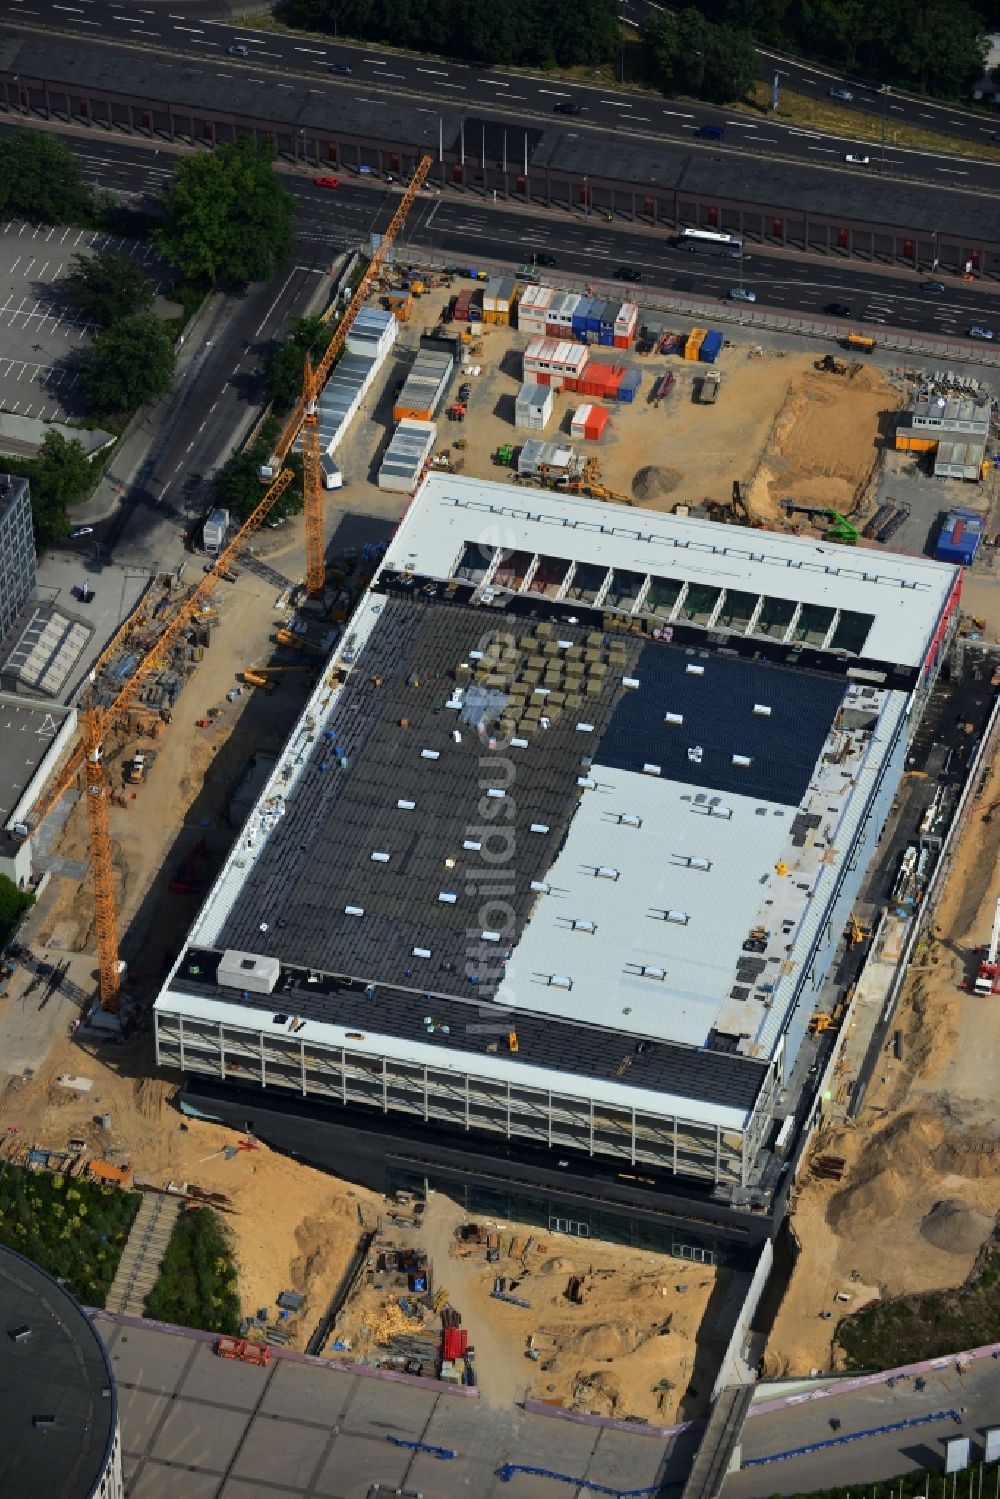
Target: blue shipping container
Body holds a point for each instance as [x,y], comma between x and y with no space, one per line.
[606,338]
[960,537]
[581,317]
[631,381]
[711,344]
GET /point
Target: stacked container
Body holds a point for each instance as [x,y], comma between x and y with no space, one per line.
[589,422]
[555,362]
[499,300]
[630,382]
[711,345]
[559,318]
[582,318]
[468,305]
[425,386]
[599,379]
[533,307]
[606,326]
[694,342]
[410,448]
[625,325]
[533,406]
[371,336]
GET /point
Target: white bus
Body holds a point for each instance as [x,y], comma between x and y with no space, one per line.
[711,242]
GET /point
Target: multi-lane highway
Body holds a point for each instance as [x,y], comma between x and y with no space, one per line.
[470,230]
[275,60]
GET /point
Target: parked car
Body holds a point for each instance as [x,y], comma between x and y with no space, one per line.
[976,332]
[857,161]
[238,49]
[81,531]
[628,273]
[742,294]
[837,309]
[567,107]
[341,67]
[464,391]
[935,286]
[326,181]
[841,93]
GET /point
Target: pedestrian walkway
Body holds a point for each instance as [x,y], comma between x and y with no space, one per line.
[143,1254]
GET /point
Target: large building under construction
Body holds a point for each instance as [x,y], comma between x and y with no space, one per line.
[555,866]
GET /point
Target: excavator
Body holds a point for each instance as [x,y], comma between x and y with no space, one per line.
[838,529]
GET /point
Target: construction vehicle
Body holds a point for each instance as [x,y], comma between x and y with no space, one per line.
[244,1350]
[708,390]
[184,882]
[856,933]
[135,769]
[456,411]
[838,529]
[592,482]
[987,979]
[263,676]
[830,366]
[297,642]
[863,342]
[97,719]
[504,455]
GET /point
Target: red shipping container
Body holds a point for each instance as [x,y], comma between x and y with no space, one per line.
[622,342]
[454,1342]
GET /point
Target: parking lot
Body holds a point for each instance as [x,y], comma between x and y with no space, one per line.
[38,333]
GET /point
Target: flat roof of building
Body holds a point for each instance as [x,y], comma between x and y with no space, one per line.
[895,601]
[27,733]
[59,1408]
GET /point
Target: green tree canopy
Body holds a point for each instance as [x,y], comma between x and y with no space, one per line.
[690,55]
[13,904]
[40,178]
[228,217]
[107,286]
[238,487]
[129,363]
[60,475]
[284,363]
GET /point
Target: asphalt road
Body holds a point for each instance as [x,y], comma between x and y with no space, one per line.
[194,30]
[470,230]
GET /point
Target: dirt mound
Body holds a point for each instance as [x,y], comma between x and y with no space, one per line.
[654,480]
[599,1394]
[557,1266]
[953,1226]
[606,1340]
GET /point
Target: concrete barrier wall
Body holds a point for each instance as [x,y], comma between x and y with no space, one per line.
[734,1368]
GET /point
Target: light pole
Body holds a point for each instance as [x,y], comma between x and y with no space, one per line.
[885,89]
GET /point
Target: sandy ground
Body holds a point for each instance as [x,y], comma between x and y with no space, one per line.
[928,1137]
[631,1348]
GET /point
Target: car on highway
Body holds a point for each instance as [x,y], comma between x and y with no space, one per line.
[566,107]
[837,309]
[326,181]
[628,273]
[742,294]
[710,132]
[857,161]
[238,49]
[841,93]
[976,332]
[932,286]
[81,531]
[341,67]
[548,261]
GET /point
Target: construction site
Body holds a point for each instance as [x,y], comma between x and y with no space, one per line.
[260,994]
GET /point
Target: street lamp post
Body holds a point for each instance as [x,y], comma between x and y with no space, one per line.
[884,89]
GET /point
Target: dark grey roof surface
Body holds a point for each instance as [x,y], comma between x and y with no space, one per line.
[59,1371]
[719,720]
[624,158]
[712,1075]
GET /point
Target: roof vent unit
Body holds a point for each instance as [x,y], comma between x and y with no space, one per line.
[379,858]
[724,812]
[426,754]
[630,681]
[695,754]
[743,760]
[762,710]
[629,820]
[585,728]
[587,782]
[404,805]
[673,718]
[584,926]
[519,743]
[477,655]
[539,827]
[421,952]
[678,918]
[542,887]
[472,845]
[249,971]
[448,897]
[354,910]
[19,1334]
[645,971]
[649,769]
[496,793]
[559,981]
[490,936]
[694,671]
[699,863]
[605,872]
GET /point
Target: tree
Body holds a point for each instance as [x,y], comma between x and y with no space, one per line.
[60,475]
[690,55]
[284,363]
[238,488]
[228,216]
[107,286]
[129,363]
[13,904]
[40,179]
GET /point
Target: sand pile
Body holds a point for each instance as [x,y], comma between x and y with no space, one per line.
[599,1394]
[953,1226]
[606,1340]
[653,481]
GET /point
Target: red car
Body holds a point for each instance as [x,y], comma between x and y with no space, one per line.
[327,181]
